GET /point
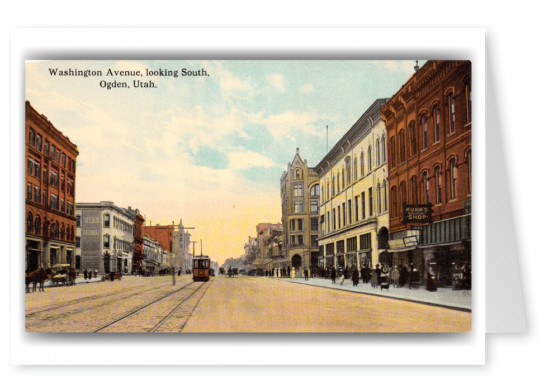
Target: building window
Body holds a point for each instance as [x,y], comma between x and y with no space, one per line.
[385,203]
[348,170]
[37,225]
[378,198]
[403,195]
[362,170]
[62,205]
[363,205]
[70,209]
[413,187]
[370,193]
[438,185]
[106,220]
[378,152]
[412,139]
[369,159]
[39,142]
[47,148]
[78,241]
[393,202]
[424,125]
[451,104]
[343,214]
[106,241]
[298,207]
[293,226]
[349,211]
[299,224]
[436,115]
[365,242]
[30,223]
[357,202]
[343,185]
[383,147]
[392,152]
[315,191]
[334,220]
[63,159]
[426,186]
[36,194]
[297,173]
[453,179]
[297,190]
[32,137]
[63,232]
[339,214]
[78,220]
[355,169]
[53,201]
[314,240]
[314,224]
[29,191]
[314,207]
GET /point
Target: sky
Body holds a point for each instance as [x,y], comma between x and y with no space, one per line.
[209,150]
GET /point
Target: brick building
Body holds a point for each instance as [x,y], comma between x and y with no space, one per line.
[428,122]
[50,179]
[164,234]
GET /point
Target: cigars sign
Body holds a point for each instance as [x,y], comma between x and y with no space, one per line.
[417,213]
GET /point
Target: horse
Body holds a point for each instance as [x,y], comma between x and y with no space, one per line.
[37,277]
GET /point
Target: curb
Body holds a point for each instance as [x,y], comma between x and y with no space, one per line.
[446,306]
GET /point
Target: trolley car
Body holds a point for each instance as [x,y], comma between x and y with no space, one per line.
[201,268]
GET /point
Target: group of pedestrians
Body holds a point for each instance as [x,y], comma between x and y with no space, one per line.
[89,274]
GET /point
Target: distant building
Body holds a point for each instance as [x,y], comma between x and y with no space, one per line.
[50,182]
[152,255]
[164,234]
[105,237]
[354,196]
[429,131]
[269,255]
[182,240]
[300,201]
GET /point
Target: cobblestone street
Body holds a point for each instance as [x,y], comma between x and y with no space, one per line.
[241,304]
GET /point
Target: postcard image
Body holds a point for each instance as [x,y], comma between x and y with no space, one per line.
[248,196]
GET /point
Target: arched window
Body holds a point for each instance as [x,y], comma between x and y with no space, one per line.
[338,183]
[412,139]
[72,233]
[343,185]
[37,225]
[348,170]
[297,173]
[52,231]
[403,196]
[333,186]
[355,169]
[453,179]
[426,186]
[436,118]
[30,223]
[393,202]
[63,232]
[46,228]
[438,177]
[383,145]
[378,152]
[378,198]
[451,107]
[402,146]
[414,192]
[385,203]
[424,130]
[362,170]
[315,191]
[369,159]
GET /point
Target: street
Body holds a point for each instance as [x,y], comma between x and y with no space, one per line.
[241,304]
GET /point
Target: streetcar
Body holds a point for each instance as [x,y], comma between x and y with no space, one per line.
[201,268]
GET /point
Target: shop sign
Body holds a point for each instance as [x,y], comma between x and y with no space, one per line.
[417,213]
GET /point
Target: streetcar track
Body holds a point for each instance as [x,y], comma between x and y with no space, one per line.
[194,308]
[141,308]
[90,298]
[154,329]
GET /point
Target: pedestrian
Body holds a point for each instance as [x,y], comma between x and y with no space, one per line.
[431,281]
[85,274]
[341,277]
[306,274]
[378,271]
[395,276]
[96,273]
[333,274]
[355,277]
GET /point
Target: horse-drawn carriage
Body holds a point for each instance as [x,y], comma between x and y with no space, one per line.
[64,275]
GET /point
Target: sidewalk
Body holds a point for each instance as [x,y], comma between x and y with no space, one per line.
[79,280]
[443,297]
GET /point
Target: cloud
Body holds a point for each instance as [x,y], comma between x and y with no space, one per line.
[307,89]
[277,81]
[285,125]
[249,159]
